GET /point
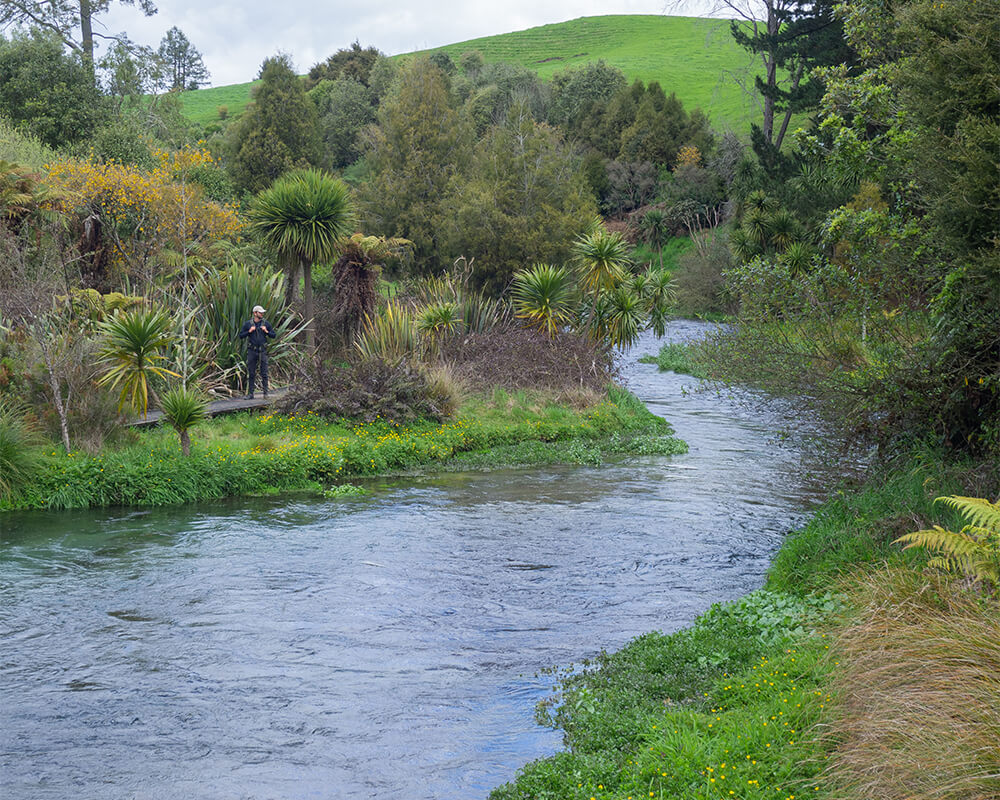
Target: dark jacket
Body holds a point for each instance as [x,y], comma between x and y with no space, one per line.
[258,339]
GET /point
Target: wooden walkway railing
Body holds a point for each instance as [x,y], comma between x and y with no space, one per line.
[217,407]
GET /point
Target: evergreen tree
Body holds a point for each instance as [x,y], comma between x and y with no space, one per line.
[71,22]
[183,65]
[420,145]
[345,107]
[277,133]
[352,62]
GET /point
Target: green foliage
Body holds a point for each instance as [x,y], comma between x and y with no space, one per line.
[974,550]
[225,299]
[576,90]
[131,355]
[391,334]
[266,453]
[20,148]
[183,408]
[46,92]
[545,296]
[420,146]
[182,63]
[678,714]
[602,259]
[302,218]
[352,63]
[277,133]
[524,201]
[19,460]
[344,108]
[303,215]
[678,358]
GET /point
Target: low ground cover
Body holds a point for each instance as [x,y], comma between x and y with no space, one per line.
[248,454]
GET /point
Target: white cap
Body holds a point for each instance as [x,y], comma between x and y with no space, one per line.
[261,309]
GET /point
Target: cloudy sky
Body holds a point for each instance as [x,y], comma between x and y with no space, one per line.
[235,37]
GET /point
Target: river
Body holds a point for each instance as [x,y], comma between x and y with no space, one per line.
[388,645]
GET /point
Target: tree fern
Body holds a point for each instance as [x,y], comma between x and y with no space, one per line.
[974,550]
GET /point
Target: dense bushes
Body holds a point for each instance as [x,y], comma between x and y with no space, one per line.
[369,389]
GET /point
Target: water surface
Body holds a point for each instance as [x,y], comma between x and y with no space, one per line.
[379,646]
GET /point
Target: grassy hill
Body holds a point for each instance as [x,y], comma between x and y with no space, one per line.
[690,56]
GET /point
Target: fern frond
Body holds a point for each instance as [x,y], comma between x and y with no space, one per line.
[937,538]
[980,512]
[974,550]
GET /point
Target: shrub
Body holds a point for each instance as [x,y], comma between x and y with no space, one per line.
[368,389]
[518,358]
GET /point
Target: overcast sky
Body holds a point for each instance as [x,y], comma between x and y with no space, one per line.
[235,37]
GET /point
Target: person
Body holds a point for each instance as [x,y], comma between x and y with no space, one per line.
[256,330]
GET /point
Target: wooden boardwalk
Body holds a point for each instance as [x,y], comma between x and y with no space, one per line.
[217,407]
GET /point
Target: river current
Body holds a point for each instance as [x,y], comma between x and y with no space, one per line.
[383,646]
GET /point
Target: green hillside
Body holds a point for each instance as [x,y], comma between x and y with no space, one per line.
[690,56]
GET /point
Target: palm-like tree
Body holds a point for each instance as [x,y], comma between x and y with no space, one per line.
[131,354]
[183,408]
[624,316]
[356,275]
[659,295]
[302,217]
[602,258]
[545,296]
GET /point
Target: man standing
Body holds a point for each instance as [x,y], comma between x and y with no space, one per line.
[256,330]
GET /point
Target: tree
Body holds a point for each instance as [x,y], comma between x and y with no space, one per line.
[131,355]
[47,91]
[72,21]
[576,90]
[420,145]
[183,65]
[183,408]
[278,131]
[355,276]
[794,36]
[302,218]
[354,63]
[345,107]
[524,199]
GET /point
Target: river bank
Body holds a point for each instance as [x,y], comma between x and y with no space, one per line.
[818,685]
[269,453]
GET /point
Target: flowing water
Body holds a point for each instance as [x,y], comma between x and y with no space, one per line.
[383,646]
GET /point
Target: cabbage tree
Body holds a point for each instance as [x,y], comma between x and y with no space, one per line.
[303,217]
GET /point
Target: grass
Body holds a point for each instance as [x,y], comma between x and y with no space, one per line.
[670,253]
[686,55]
[676,357]
[843,679]
[246,454]
[921,681]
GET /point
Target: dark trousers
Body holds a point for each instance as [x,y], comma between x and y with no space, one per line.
[257,358]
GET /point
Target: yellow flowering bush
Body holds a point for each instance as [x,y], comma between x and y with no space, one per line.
[131,217]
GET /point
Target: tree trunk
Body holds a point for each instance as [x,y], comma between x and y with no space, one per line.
[796,79]
[61,408]
[771,67]
[87,36]
[307,292]
[185,442]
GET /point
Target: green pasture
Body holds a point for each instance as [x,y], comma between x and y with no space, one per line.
[693,57]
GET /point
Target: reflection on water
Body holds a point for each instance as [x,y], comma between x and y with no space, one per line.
[276,648]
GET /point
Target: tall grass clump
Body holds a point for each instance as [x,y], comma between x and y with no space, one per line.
[18,459]
[919,692]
